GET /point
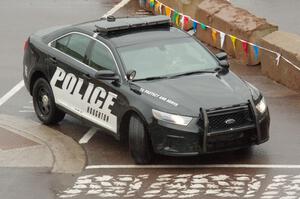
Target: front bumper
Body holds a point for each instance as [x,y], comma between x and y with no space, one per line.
[170,140]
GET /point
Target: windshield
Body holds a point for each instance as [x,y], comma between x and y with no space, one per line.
[167,58]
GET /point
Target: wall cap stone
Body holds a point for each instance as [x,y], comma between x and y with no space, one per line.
[284,40]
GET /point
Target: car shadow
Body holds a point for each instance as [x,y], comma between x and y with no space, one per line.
[230,157]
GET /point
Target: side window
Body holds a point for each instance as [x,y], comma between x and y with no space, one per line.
[62,43]
[74,45]
[101,58]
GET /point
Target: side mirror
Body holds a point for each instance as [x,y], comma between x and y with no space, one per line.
[222,56]
[131,74]
[224,64]
[106,75]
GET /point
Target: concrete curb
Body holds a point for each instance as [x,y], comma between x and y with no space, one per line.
[68,155]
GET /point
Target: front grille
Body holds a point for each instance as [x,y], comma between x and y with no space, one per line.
[224,119]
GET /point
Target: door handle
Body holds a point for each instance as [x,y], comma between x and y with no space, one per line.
[87,76]
[53,60]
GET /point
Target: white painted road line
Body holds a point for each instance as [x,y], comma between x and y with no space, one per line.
[85,139]
[28,107]
[245,166]
[26,111]
[11,93]
[116,8]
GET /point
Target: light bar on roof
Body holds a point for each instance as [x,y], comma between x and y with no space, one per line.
[106,26]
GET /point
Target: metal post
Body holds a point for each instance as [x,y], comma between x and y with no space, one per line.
[206,126]
[254,112]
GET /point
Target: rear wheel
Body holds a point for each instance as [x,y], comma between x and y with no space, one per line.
[44,104]
[139,142]
[245,150]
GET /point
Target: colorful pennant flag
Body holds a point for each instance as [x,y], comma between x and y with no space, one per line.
[184,22]
[160,8]
[245,47]
[174,17]
[157,7]
[195,24]
[233,39]
[152,3]
[214,35]
[203,26]
[168,11]
[178,20]
[278,59]
[222,38]
[256,51]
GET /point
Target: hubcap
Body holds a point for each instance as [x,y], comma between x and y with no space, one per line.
[45,100]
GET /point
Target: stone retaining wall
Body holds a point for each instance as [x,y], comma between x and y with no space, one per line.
[288,45]
[223,16]
[238,22]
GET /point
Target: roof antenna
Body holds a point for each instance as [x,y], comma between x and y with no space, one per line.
[111,18]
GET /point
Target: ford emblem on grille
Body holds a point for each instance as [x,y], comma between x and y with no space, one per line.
[230,121]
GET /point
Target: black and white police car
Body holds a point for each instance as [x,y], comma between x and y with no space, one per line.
[144,81]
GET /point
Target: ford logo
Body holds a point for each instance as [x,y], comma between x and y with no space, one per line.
[230,121]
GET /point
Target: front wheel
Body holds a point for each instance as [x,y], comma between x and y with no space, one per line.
[44,104]
[139,142]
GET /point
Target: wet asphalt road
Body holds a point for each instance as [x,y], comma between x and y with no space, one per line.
[284,13]
[20,18]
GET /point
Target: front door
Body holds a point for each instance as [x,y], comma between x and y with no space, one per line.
[105,100]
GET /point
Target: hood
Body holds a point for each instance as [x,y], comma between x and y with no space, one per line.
[187,94]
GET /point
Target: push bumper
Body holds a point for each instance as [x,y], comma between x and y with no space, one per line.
[195,140]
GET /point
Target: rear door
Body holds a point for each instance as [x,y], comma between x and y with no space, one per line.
[67,81]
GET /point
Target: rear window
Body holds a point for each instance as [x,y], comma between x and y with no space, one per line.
[74,45]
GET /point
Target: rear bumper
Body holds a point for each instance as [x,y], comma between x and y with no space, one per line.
[176,142]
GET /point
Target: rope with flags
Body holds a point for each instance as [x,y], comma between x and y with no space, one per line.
[181,20]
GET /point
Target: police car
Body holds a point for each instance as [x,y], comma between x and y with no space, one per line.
[144,82]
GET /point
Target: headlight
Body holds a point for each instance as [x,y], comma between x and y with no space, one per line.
[261,106]
[174,119]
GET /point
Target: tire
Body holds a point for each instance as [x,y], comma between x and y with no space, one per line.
[44,103]
[245,150]
[139,142]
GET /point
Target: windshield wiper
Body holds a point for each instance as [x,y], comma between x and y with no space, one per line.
[151,78]
[174,76]
[192,73]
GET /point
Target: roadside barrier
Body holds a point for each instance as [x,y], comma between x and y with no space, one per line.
[183,21]
[288,45]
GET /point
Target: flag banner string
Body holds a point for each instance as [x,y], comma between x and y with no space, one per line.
[186,19]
